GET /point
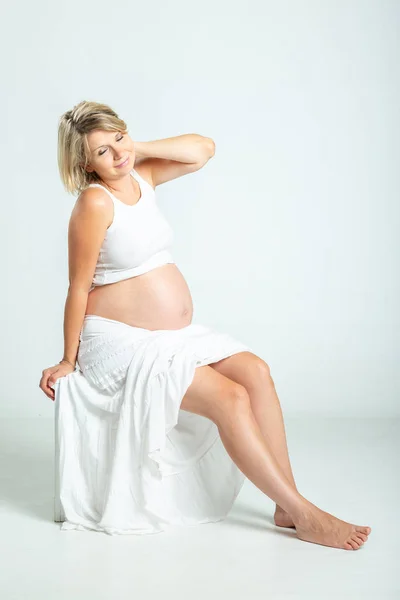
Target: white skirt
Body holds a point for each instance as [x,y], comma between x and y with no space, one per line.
[129,460]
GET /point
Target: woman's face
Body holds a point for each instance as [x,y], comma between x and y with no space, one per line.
[108,149]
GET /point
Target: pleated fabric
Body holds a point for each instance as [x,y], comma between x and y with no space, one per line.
[130,460]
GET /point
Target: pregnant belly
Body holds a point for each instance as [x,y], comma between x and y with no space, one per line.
[158,299]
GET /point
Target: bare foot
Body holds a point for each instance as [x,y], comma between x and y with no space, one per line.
[319,527]
[282,518]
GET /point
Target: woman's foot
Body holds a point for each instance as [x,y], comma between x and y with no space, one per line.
[319,527]
[282,518]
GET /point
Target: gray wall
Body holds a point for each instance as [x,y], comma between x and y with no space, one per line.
[288,237]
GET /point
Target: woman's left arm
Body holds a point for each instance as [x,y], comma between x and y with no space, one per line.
[173,157]
[186,148]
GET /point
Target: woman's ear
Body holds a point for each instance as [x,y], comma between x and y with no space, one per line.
[87,168]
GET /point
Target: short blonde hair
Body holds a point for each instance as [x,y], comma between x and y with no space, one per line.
[73,148]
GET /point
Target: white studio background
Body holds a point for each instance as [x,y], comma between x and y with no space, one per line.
[288,237]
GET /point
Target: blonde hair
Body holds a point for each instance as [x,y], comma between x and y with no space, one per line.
[73,147]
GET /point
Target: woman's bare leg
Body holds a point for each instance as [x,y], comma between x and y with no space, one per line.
[253,373]
[227,404]
[268,414]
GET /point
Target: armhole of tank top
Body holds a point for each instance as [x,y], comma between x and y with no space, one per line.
[113,202]
[142,180]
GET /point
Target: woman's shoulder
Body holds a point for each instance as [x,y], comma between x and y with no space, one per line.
[93,201]
[93,196]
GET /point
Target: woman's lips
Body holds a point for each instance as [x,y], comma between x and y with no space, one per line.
[122,164]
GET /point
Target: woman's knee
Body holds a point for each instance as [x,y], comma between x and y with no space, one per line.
[233,404]
[215,396]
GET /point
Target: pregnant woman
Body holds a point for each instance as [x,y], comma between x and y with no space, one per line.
[158,420]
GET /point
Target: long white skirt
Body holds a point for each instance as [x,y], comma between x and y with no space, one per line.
[129,460]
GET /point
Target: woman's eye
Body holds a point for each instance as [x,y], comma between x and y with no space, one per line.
[118,140]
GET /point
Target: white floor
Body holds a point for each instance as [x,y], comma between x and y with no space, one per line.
[346,467]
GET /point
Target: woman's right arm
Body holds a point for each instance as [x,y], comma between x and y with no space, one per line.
[87,227]
[86,231]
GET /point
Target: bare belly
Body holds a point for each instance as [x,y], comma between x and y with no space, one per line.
[158,299]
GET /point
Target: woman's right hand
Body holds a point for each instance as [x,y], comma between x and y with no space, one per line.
[50,376]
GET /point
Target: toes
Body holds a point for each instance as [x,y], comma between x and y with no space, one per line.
[357,537]
[353,544]
[347,546]
[363,536]
[366,530]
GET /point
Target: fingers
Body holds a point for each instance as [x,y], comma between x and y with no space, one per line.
[51,386]
[50,378]
[47,383]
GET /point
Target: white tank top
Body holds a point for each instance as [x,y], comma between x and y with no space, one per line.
[139,238]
